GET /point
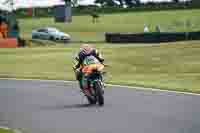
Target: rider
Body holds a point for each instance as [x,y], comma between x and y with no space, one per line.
[86,50]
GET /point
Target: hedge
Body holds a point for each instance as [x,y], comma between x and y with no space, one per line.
[151,37]
[87,10]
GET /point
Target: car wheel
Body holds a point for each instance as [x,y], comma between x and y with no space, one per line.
[34,37]
[52,38]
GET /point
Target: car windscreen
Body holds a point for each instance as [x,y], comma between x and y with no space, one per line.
[42,30]
[52,30]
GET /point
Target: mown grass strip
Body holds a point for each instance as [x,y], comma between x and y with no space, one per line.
[173,66]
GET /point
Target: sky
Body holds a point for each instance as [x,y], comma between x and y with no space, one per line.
[29,3]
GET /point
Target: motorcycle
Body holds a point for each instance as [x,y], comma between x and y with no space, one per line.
[92,80]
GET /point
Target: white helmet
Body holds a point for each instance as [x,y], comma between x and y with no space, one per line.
[86,48]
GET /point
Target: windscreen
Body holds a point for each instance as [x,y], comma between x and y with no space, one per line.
[90,60]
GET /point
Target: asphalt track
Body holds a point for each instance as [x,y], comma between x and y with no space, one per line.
[58,107]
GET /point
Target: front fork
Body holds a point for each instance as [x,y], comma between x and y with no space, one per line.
[89,85]
[86,87]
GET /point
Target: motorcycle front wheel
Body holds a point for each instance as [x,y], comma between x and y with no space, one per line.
[99,93]
[91,100]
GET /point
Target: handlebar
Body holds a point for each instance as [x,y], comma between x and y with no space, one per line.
[105,65]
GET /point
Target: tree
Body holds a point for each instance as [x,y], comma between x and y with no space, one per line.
[195,1]
[137,2]
[109,3]
[121,2]
[11,3]
[129,3]
[176,1]
[101,2]
[74,3]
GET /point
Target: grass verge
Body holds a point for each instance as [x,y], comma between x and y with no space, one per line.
[173,66]
[6,131]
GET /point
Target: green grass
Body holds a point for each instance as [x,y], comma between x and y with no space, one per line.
[82,28]
[173,66]
[5,131]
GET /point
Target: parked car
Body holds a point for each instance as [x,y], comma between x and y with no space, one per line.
[49,33]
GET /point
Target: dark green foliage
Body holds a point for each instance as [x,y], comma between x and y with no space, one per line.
[111,3]
[107,3]
[113,8]
[131,3]
[175,1]
[196,2]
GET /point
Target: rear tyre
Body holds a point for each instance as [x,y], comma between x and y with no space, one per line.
[99,93]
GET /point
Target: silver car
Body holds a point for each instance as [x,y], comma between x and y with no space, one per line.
[49,33]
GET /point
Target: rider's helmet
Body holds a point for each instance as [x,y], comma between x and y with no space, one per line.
[86,48]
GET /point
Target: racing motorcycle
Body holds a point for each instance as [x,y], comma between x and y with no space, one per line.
[92,80]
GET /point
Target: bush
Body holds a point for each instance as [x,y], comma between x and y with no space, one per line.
[151,37]
[86,10]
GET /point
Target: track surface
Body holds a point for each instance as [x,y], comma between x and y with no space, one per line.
[58,107]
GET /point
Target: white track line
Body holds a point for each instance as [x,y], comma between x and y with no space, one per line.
[112,85]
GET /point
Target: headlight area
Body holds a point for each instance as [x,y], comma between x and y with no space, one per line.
[65,38]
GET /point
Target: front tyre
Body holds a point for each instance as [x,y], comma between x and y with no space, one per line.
[91,100]
[99,93]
